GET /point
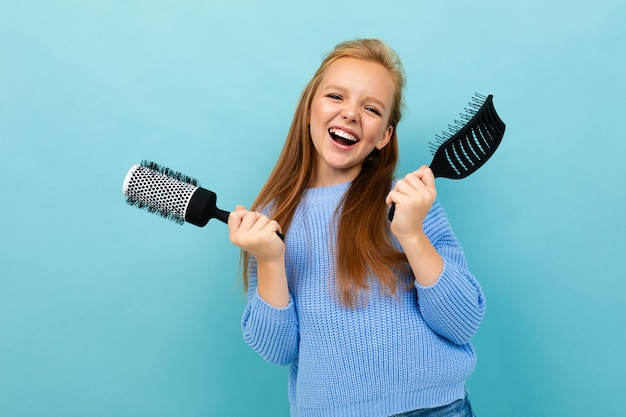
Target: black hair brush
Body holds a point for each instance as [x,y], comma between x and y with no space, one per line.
[468,144]
[172,195]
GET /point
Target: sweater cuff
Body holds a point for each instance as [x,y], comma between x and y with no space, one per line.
[441,288]
[275,314]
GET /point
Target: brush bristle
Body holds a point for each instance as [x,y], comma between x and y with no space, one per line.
[474,106]
[178,176]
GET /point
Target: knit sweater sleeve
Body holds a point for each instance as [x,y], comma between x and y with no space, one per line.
[454,305]
[272,332]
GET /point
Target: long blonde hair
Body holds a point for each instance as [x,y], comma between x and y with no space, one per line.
[363,241]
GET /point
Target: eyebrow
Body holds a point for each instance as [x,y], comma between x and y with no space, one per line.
[343,89]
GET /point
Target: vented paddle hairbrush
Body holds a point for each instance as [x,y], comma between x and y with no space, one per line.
[468,143]
[172,195]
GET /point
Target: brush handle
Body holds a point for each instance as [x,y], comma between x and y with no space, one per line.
[392,210]
[202,207]
[172,195]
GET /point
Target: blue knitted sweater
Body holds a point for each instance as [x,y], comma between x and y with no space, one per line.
[389,355]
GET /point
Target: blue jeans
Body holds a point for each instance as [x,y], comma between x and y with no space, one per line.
[460,408]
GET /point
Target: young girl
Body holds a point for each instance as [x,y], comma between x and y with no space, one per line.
[374,317]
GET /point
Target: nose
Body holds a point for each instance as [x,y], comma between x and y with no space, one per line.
[350,113]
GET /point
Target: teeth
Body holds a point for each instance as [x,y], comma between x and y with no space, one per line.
[342,134]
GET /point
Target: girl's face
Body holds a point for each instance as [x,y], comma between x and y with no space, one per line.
[349,118]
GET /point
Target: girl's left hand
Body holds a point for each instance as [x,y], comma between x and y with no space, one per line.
[413,195]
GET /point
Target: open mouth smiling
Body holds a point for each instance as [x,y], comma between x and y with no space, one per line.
[342,137]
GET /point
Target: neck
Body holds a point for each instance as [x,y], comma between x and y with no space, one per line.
[329,176]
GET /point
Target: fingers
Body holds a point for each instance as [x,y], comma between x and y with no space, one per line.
[235,217]
[241,221]
[249,221]
[255,233]
[427,177]
[417,182]
[413,197]
[422,176]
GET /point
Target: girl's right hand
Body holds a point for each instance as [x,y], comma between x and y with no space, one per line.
[256,234]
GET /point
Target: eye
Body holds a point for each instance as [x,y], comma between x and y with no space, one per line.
[333,96]
[372,110]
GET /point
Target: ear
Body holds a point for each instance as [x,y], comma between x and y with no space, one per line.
[385,139]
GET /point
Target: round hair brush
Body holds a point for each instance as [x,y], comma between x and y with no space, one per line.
[468,144]
[172,195]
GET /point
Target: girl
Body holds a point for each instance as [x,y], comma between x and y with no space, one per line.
[374,317]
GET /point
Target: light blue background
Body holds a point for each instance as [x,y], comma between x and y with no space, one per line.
[106,310]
